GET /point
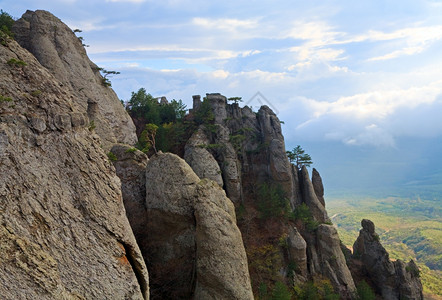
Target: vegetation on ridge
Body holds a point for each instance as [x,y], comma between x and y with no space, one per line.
[6,22]
[299,158]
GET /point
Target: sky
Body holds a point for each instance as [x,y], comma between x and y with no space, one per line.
[353,81]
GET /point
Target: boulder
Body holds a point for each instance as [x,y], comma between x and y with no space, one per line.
[195,248]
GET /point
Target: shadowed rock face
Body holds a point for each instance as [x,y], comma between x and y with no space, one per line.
[58,49]
[130,166]
[393,280]
[63,229]
[194,249]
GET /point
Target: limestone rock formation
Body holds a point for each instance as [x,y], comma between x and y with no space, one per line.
[59,50]
[393,280]
[199,158]
[253,154]
[332,260]
[318,186]
[310,197]
[130,166]
[297,248]
[63,229]
[195,248]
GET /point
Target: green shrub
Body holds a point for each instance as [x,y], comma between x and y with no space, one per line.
[272,201]
[5,99]
[112,156]
[413,270]
[131,150]
[16,62]
[364,291]
[92,125]
[36,93]
[318,289]
[280,292]
[6,22]
[303,213]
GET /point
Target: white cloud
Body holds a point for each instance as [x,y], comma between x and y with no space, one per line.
[376,118]
[224,23]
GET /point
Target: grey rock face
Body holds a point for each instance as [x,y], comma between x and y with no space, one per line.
[130,167]
[392,279]
[309,196]
[221,265]
[58,49]
[297,248]
[333,263]
[200,160]
[318,186]
[63,229]
[195,248]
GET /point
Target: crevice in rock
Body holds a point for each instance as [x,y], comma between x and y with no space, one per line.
[137,269]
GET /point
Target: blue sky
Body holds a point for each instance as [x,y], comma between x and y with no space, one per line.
[359,74]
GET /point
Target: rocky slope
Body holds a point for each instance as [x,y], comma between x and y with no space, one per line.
[63,229]
[58,49]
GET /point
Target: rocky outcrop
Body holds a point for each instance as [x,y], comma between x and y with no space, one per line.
[63,229]
[253,154]
[392,280]
[226,155]
[199,158]
[332,261]
[310,198]
[297,248]
[58,49]
[195,248]
[130,165]
[318,186]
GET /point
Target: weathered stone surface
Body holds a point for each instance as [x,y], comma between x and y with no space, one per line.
[297,248]
[333,264]
[410,286]
[58,49]
[221,263]
[195,248]
[391,279]
[318,186]
[309,196]
[200,160]
[63,229]
[296,198]
[218,103]
[130,167]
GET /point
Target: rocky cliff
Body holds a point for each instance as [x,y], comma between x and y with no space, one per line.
[393,280]
[58,49]
[250,152]
[63,229]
